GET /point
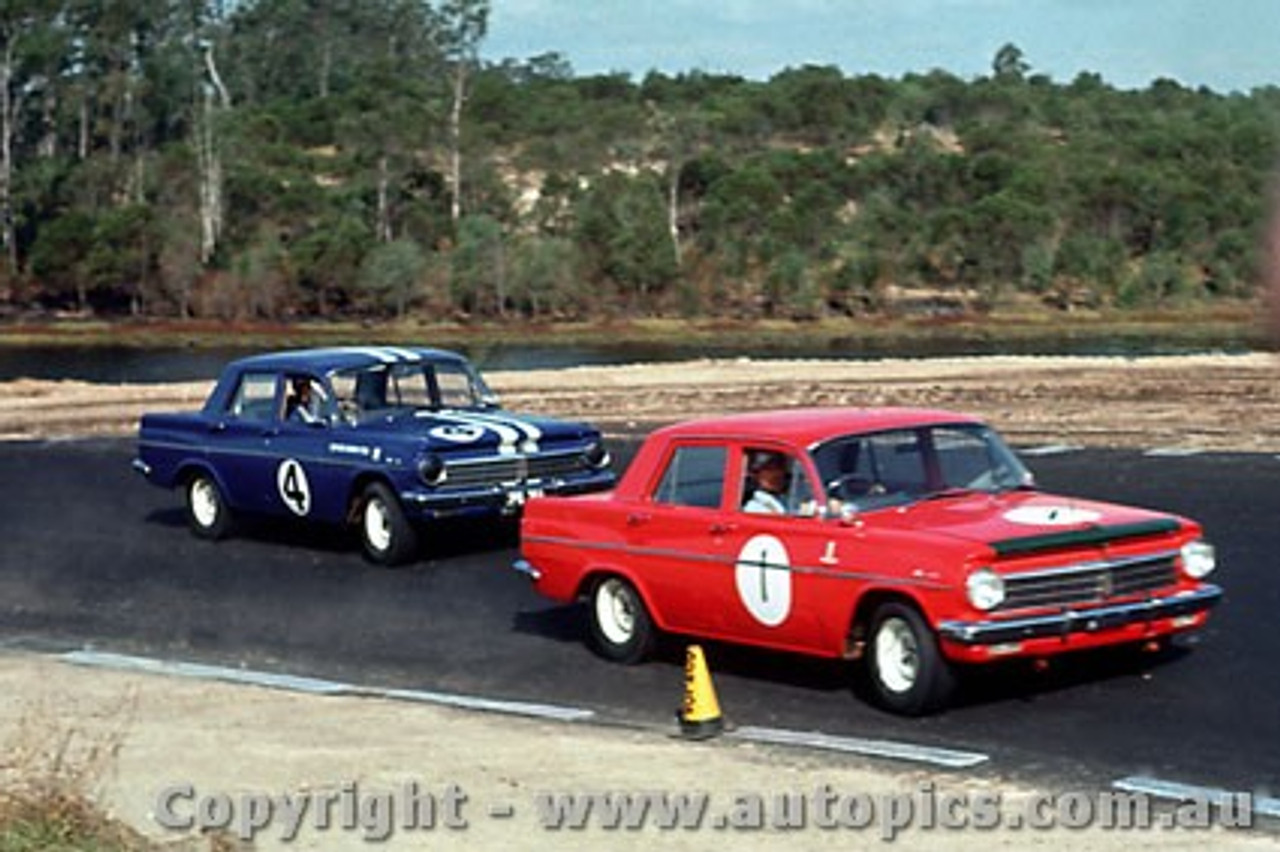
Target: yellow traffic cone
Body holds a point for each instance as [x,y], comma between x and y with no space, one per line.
[700,712]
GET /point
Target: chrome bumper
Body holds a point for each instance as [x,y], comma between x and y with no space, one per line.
[525,567]
[141,467]
[1062,624]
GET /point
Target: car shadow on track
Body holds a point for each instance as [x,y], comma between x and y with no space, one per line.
[977,686]
[445,539]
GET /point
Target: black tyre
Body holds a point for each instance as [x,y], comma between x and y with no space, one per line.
[621,629]
[387,535]
[907,671]
[207,511]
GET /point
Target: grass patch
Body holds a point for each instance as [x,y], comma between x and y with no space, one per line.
[51,779]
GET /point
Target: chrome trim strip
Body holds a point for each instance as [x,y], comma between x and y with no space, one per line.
[692,556]
[1087,567]
[1062,624]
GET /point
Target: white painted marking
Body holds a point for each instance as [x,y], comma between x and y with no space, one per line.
[457,433]
[1051,450]
[1173,452]
[200,671]
[318,686]
[471,702]
[1051,516]
[763,578]
[1161,789]
[857,745]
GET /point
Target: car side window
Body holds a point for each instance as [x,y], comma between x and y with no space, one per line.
[899,458]
[774,483]
[694,477]
[254,399]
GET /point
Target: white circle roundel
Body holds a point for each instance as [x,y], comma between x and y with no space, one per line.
[458,433]
[1051,516]
[763,578]
[295,491]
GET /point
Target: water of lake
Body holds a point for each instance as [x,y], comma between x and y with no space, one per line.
[169,364]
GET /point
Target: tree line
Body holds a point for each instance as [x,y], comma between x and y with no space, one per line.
[274,159]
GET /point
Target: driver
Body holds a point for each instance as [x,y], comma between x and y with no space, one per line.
[300,406]
[771,473]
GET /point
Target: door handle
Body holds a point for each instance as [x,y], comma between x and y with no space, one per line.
[635,519]
[719,528]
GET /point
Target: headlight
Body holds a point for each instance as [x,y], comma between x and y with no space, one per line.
[1198,559]
[596,456]
[985,589]
[431,469]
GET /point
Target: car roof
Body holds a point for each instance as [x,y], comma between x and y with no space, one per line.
[333,358]
[805,427]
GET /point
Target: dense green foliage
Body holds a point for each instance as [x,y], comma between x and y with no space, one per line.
[286,158]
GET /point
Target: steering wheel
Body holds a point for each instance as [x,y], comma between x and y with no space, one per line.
[851,487]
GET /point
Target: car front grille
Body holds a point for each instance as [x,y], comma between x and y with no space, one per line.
[507,470]
[1090,583]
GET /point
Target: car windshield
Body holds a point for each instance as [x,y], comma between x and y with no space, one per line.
[905,465]
[387,388]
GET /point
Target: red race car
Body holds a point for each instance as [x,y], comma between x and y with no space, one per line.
[912,539]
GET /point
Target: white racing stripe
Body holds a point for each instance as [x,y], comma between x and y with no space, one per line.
[509,439]
[402,354]
[531,433]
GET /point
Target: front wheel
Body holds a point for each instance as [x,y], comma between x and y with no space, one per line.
[621,629]
[207,512]
[386,534]
[908,672]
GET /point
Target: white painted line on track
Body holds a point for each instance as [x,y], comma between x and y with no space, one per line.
[318,686]
[1161,789]
[470,702]
[857,745]
[1173,452]
[199,671]
[1051,450]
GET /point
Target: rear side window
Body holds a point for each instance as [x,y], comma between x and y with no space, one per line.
[694,477]
[254,399]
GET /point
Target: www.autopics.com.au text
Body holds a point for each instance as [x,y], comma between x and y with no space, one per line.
[377,814]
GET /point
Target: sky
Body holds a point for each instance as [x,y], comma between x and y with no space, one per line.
[1225,45]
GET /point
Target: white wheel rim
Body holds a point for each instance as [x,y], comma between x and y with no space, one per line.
[897,655]
[377,526]
[204,502]
[615,612]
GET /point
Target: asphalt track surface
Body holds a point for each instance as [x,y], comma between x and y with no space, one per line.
[90,555]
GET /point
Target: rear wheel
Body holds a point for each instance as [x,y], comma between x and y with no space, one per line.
[207,512]
[908,673]
[386,534]
[621,629]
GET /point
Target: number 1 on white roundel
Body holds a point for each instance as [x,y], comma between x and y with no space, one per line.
[763,578]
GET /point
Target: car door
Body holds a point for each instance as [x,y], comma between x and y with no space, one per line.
[237,442]
[781,551]
[310,481]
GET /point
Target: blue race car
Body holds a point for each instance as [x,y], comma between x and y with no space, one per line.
[379,437]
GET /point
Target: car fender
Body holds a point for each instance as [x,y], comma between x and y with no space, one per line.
[599,570]
[190,466]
